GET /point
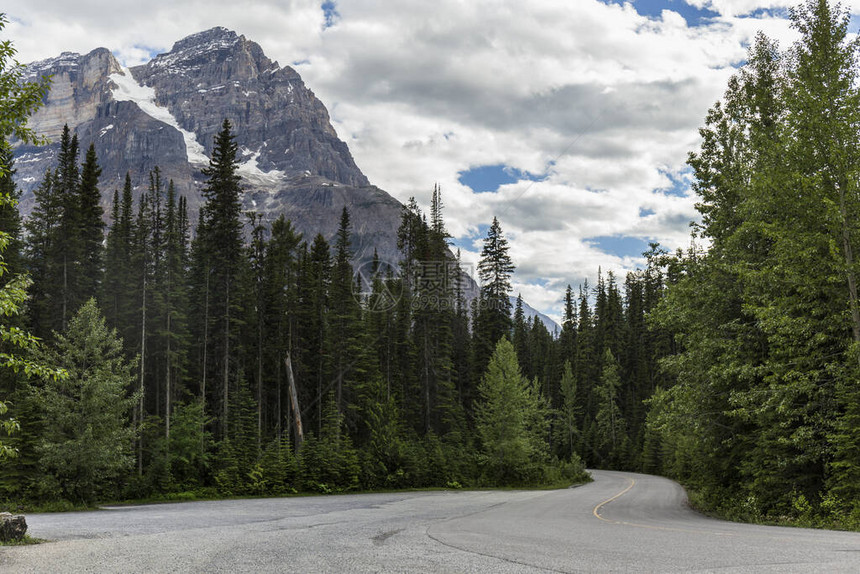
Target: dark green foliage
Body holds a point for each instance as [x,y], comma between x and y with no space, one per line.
[85,439]
[220,261]
[329,462]
[188,455]
[731,367]
[65,238]
[91,227]
[611,429]
[385,382]
[278,471]
[568,427]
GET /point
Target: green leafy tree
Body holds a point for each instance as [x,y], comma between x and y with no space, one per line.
[86,435]
[767,318]
[511,419]
[18,100]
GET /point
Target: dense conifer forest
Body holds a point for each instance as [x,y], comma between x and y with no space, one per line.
[228,356]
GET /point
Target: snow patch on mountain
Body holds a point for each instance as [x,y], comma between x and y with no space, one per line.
[251,172]
[128,90]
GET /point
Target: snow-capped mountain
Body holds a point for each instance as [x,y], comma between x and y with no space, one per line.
[167,112]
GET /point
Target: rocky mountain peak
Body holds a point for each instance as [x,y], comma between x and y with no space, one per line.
[166,113]
[196,52]
[280,124]
[214,38]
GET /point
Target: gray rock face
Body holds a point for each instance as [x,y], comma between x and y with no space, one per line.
[167,112]
[79,86]
[12,528]
[216,74]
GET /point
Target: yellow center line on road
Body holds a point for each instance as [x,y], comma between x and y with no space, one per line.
[597,508]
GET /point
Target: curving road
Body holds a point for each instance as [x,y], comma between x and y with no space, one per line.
[621,522]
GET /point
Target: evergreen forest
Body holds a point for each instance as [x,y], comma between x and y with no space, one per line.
[145,355]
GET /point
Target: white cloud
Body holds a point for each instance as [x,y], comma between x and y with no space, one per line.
[603,101]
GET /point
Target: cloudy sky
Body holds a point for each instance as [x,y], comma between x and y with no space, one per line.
[569,120]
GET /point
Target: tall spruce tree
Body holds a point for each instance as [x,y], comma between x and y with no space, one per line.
[221,251]
[91,228]
[493,316]
[345,319]
[281,271]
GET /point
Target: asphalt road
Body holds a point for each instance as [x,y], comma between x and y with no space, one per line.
[622,522]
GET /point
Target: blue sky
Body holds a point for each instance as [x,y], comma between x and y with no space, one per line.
[694,16]
[569,120]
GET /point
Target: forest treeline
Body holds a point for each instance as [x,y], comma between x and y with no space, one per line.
[732,366]
[180,352]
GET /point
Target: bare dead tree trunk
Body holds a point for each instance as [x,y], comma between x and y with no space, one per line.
[294,401]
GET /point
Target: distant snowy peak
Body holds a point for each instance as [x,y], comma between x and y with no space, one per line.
[531,312]
[211,39]
[189,51]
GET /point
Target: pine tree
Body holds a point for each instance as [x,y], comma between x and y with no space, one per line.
[493,319]
[569,411]
[68,245]
[220,253]
[281,300]
[611,427]
[567,337]
[520,338]
[91,228]
[174,302]
[118,289]
[345,318]
[314,325]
